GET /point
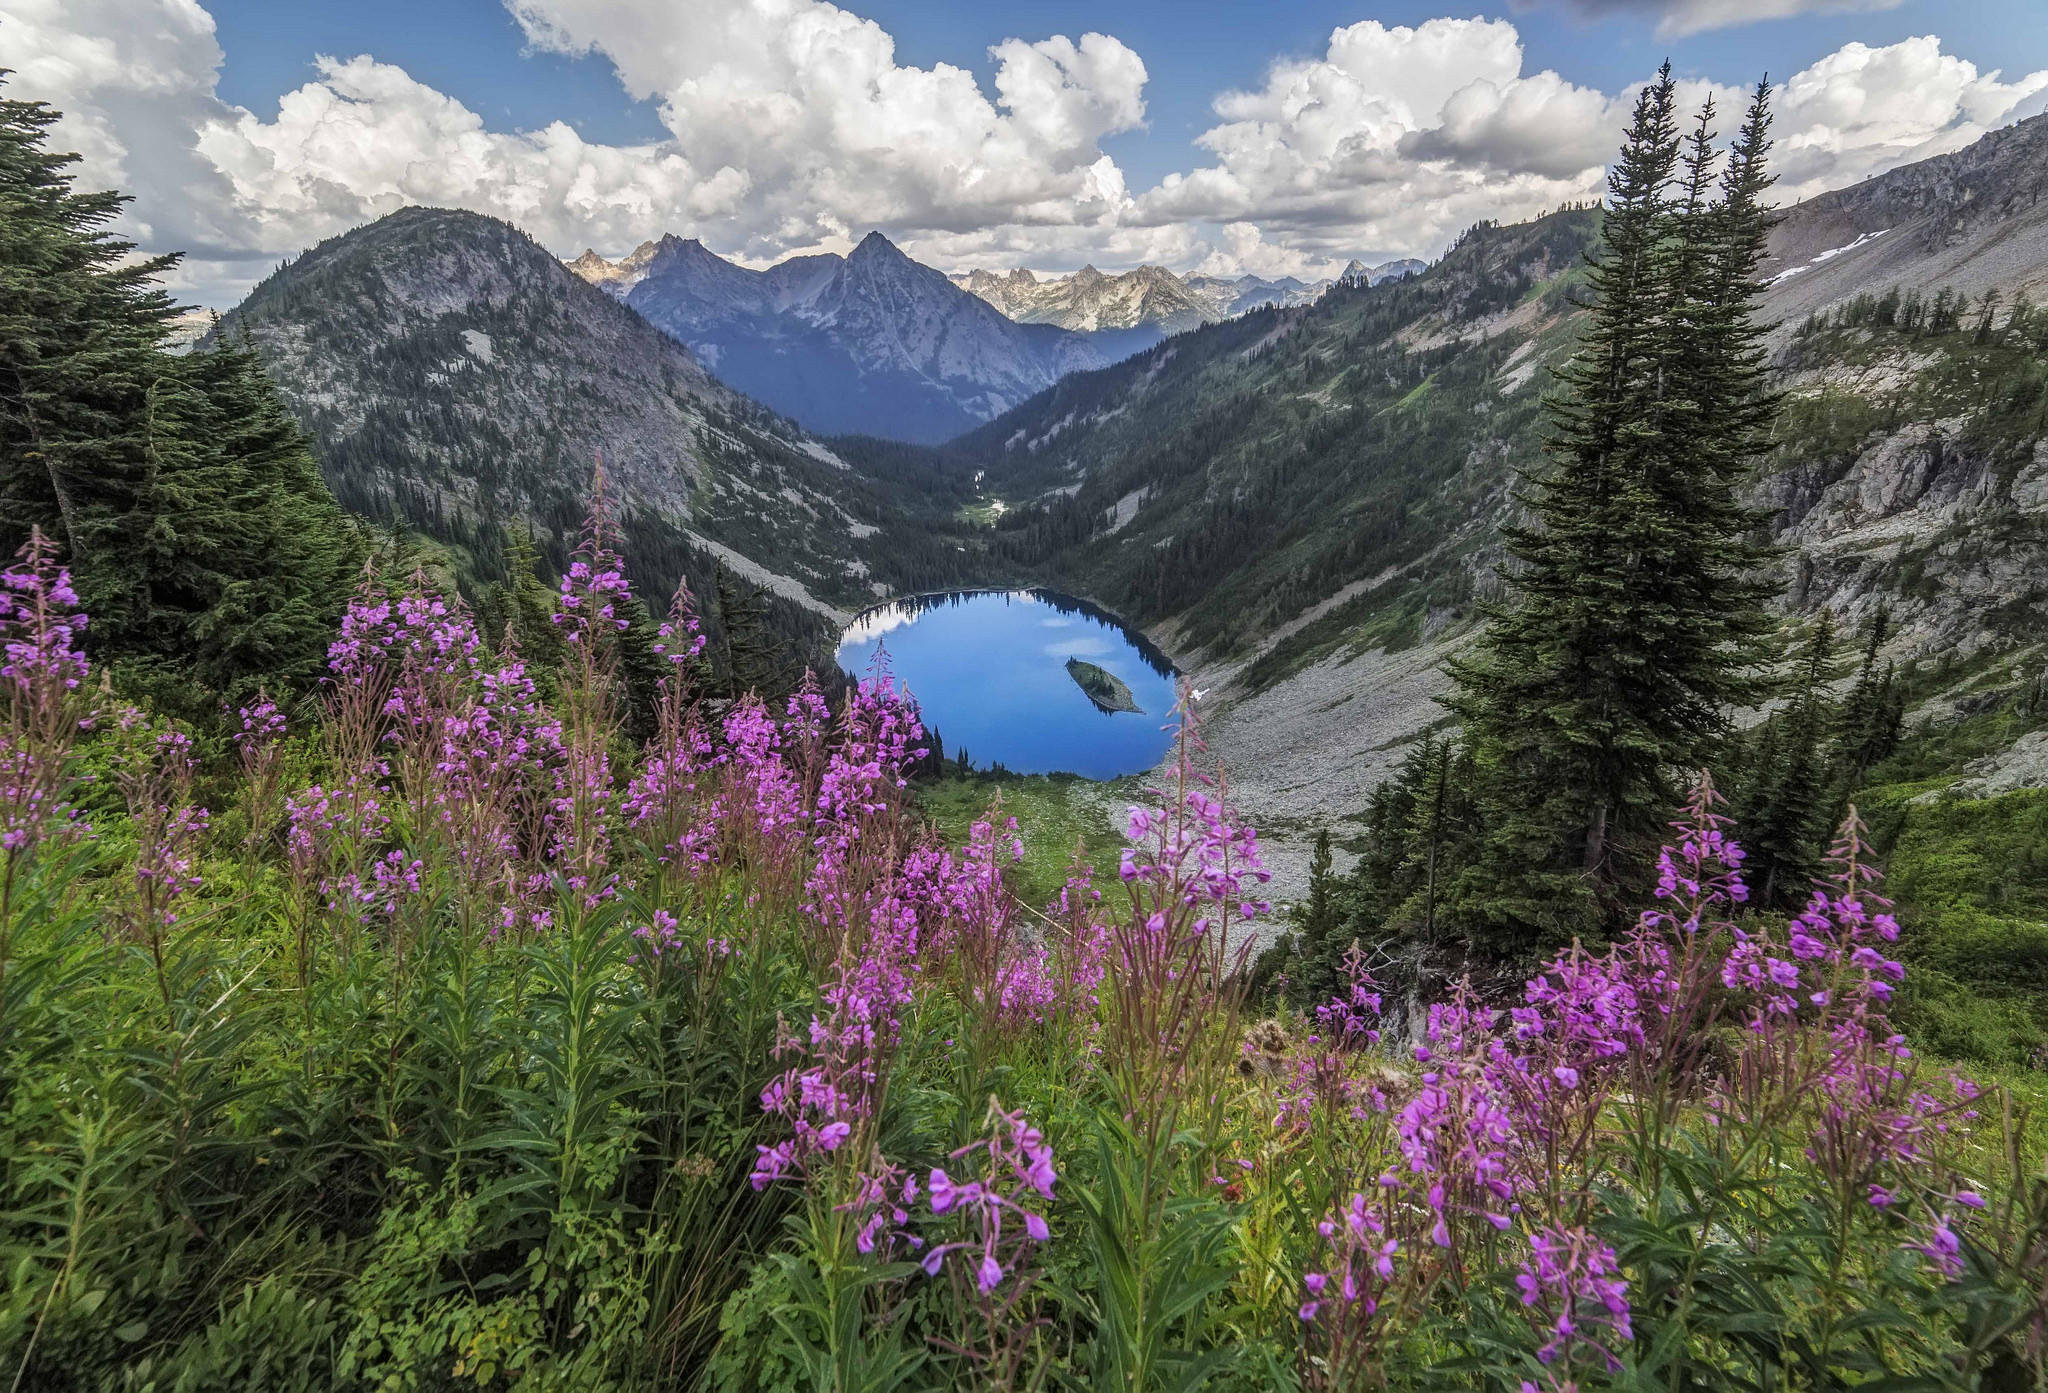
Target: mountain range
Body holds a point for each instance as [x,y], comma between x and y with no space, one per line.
[457,379]
[875,343]
[1301,503]
[869,343]
[1153,295]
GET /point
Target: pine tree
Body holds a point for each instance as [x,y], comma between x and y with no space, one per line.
[205,546]
[1311,969]
[1634,612]
[1437,835]
[1867,729]
[1789,819]
[751,657]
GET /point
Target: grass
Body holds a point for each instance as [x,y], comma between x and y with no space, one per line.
[1054,811]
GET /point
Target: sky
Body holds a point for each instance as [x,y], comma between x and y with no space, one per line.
[1205,135]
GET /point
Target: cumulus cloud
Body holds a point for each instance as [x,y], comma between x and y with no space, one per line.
[1398,137]
[123,76]
[791,126]
[1680,17]
[1862,110]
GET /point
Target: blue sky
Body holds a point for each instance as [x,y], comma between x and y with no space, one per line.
[1197,133]
[475,50]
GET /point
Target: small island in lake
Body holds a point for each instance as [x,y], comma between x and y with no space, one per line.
[1104,688]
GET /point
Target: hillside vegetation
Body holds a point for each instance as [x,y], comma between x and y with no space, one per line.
[464,979]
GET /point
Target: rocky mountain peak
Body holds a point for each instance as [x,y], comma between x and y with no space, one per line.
[876,247]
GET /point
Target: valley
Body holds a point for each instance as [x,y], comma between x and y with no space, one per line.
[1297,495]
[856,816]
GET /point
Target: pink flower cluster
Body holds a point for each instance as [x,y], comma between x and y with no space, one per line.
[1017,1174]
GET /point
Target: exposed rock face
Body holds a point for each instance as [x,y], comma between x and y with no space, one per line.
[1974,220]
[453,373]
[1927,527]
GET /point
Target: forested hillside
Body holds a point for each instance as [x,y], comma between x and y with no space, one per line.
[1233,477]
[1343,469]
[457,380]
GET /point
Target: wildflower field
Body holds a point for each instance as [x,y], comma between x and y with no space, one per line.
[435,1035]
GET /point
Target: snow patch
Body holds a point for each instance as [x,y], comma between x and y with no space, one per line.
[1865,240]
[479,344]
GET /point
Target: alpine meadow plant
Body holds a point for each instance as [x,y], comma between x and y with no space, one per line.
[484,1046]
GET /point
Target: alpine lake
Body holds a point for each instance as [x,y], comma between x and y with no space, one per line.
[1030,681]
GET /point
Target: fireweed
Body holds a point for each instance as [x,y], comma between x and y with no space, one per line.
[653,1041]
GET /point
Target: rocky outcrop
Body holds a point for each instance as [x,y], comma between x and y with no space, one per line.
[454,374]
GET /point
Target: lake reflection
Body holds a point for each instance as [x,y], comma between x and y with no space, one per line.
[988,669]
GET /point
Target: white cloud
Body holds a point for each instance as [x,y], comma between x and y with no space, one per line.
[1399,137]
[837,137]
[1862,110]
[1396,138]
[791,126]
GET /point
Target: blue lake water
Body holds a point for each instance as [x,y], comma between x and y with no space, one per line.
[988,670]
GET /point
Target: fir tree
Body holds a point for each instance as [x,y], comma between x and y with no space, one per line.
[1867,729]
[1634,615]
[204,543]
[1313,953]
[752,661]
[516,612]
[1791,813]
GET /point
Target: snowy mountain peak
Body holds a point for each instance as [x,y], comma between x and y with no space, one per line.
[1090,299]
[872,342]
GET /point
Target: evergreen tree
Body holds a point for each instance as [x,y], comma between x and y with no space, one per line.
[1792,813]
[1634,615]
[517,611]
[203,541]
[1437,835]
[1987,318]
[1311,969]
[751,658]
[1867,729]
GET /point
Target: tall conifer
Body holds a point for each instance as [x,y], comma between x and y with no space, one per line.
[1789,817]
[1633,612]
[203,541]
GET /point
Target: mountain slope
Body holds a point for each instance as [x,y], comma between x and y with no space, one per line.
[1973,221]
[454,375]
[1089,300]
[1303,504]
[871,343]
